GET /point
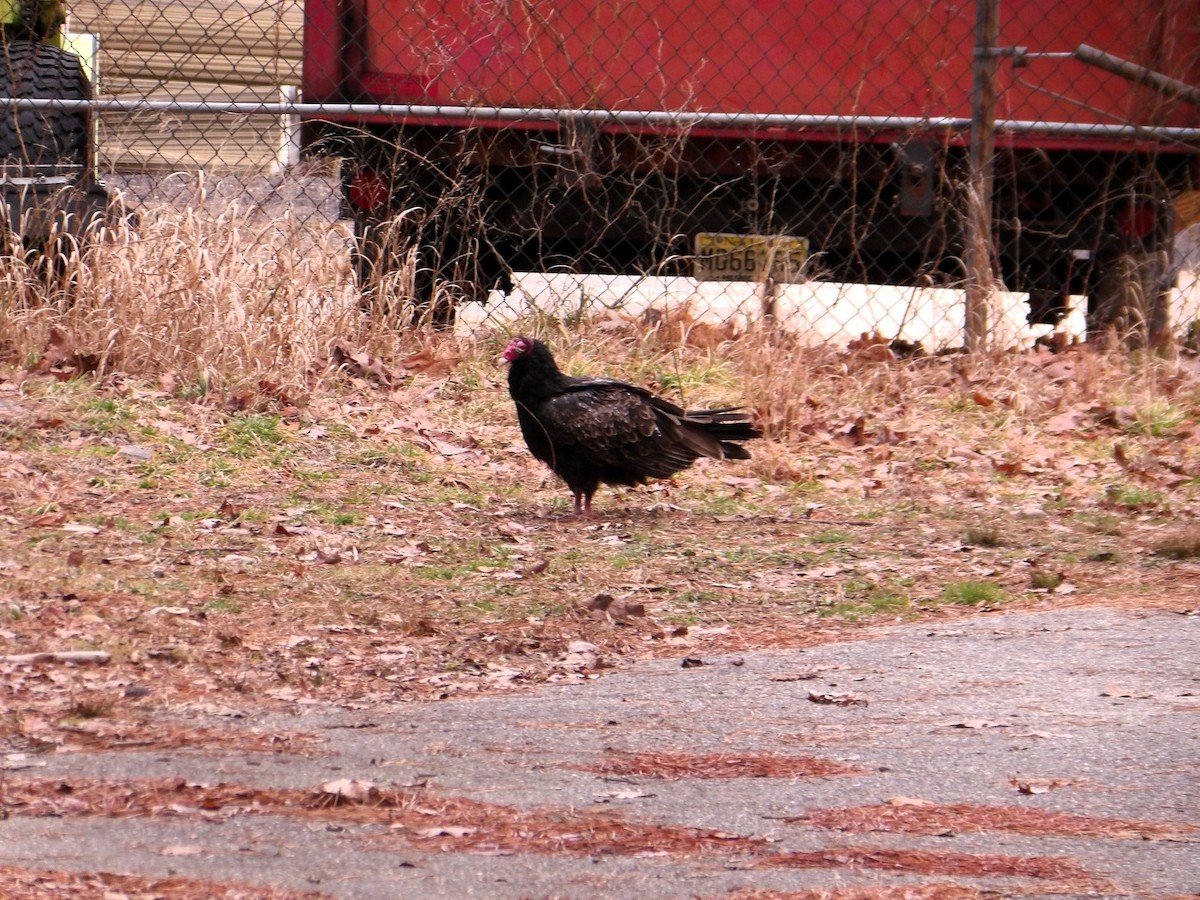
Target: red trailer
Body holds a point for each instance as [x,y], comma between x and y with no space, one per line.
[622,136]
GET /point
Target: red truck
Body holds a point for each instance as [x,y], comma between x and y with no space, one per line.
[639,136]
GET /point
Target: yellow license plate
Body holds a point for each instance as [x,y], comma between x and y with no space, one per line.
[750,257]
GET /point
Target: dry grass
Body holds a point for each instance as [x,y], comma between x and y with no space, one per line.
[919,862]
[919,817]
[417,817]
[423,819]
[218,296]
[872,892]
[37,884]
[215,297]
[675,766]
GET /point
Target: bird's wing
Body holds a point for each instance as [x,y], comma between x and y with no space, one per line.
[610,423]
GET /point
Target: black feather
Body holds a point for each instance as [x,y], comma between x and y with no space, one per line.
[593,431]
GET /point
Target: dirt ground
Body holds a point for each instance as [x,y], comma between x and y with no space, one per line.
[354,646]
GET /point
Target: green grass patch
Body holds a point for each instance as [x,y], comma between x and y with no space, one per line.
[1131,496]
[251,435]
[223,605]
[1102,523]
[831,537]
[105,415]
[1046,581]
[1159,418]
[973,593]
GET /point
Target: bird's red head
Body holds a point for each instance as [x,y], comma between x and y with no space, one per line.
[517,348]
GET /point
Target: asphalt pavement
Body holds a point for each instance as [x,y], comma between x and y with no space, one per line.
[1017,754]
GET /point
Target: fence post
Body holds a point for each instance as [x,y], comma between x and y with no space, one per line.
[288,153]
[978,231]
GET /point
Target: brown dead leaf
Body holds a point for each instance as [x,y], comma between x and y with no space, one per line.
[1066,422]
[1037,785]
[327,556]
[1008,467]
[909,801]
[182,850]
[537,567]
[179,432]
[619,612]
[822,571]
[836,699]
[454,831]
[1115,690]
[48,520]
[346,790]
[363,365]
[426,362]
[794,676]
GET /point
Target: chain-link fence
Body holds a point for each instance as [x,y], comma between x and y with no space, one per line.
[936,173]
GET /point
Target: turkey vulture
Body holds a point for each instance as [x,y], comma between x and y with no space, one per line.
[597,430]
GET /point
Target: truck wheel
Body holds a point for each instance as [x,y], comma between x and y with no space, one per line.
[435,269]
[55,138]
[378,255]
[421,245]
[1132,276]
[32,70]
[1130,299]
[457,264]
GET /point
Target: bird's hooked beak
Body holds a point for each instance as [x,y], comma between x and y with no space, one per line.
[515,349]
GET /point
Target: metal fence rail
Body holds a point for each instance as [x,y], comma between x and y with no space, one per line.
[936,174]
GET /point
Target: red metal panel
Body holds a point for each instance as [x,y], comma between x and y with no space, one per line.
[764,56]
[1163,35]
[322,71]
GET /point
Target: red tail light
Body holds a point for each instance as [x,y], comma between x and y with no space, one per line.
[367,190]
[1138,218]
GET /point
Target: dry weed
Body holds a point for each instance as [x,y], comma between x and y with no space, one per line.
[215,297]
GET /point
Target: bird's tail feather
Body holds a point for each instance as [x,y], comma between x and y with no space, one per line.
[731,423]
[734,451]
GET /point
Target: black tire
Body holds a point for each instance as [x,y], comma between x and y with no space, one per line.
[381,257]
[446,255]
[32,70]
[1129,290]
[1130,299]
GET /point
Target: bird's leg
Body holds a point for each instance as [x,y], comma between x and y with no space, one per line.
[579,502]
[587,503]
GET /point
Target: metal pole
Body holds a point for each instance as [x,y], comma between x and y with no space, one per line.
[978,232]
[949,125]
[1171,87]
